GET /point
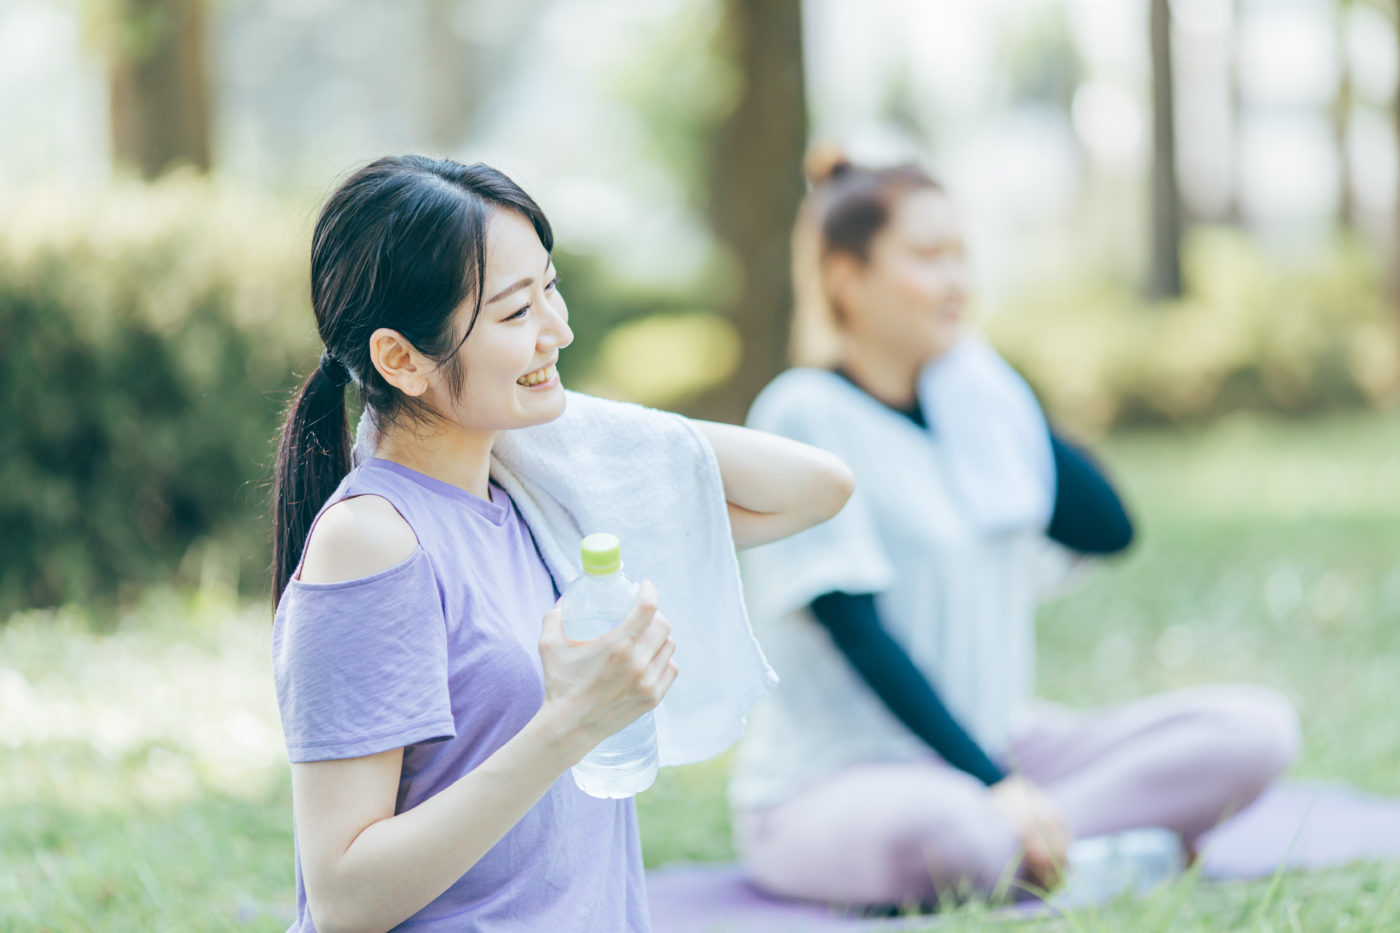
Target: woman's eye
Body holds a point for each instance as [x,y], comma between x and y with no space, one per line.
[553,283]
[519,314]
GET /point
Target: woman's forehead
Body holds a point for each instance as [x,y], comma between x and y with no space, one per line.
[926,214]
[513,247]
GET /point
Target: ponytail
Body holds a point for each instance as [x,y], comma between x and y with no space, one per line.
[312,458]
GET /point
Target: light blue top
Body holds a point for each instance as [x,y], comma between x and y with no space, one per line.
[959,598]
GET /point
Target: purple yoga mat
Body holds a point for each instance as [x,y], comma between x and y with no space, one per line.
[1294,825]
[1303,826]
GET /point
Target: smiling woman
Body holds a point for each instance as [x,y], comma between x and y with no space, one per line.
[430,702]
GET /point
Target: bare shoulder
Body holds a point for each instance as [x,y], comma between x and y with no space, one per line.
[355,538]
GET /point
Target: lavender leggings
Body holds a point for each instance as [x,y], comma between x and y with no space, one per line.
[900,832]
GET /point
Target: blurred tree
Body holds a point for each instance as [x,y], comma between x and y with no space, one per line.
[449,106]
[1043,64]
[1394,8]
[1391,8]
[466,45]
[1341,119]
[755,182]
[158,81]
[1234,208]
[1164,280]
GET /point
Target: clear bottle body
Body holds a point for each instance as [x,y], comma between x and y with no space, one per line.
[624,763]
[1100,868]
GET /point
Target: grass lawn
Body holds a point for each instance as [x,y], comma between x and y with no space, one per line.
[143,785]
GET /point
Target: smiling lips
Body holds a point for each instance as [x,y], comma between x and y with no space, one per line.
[539,376]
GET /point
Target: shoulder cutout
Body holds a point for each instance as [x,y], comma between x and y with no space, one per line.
[355,538]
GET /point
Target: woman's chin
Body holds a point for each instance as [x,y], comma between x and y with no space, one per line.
[945,337]
[939,347]
[542,407]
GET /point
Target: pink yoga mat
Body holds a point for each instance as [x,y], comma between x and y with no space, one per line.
[1294,825]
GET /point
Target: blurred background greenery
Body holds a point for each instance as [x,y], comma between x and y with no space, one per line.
[1174,211]
[1181,218]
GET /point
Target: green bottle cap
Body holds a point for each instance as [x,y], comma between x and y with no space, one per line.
[602,554]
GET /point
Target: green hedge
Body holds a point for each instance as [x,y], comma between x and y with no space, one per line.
[1256,332]
[149,334]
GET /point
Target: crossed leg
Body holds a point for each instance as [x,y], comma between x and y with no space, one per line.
[888,833]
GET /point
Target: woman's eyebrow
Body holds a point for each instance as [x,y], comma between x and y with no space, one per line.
[518,285]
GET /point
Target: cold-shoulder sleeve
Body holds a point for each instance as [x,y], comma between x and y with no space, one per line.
[844,554]
[361,666]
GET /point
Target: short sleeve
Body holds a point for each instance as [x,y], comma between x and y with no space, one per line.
[361,665]
[843,554]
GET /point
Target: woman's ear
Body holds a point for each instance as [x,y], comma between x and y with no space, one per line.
[402,366]
[841,276]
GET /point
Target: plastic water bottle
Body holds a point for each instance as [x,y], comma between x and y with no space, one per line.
[593,605]
[1101,868]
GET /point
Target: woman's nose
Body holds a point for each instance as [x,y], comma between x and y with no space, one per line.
[956,276]
[556,334]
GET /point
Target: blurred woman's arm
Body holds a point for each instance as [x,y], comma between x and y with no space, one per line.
[1089,517]
[775,486]
[853,621]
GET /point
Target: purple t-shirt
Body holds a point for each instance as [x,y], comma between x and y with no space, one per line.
[440,656]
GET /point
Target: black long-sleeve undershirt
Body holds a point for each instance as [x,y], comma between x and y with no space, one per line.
[854,624]
[1087,517]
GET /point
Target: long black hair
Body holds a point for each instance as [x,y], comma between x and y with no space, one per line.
[401,244]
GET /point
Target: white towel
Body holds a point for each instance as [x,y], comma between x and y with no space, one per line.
[650,478]
[993,437]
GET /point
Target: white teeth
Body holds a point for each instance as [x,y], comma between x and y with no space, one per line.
[536,377]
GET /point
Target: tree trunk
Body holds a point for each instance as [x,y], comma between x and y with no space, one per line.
[1395,111]
[1234,209]
[159,86]
[756,184]
[1165,272]
[1341,122]
[458,64]
[447,75]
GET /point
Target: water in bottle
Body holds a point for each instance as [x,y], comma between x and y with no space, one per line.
[593,605]
[1101,868]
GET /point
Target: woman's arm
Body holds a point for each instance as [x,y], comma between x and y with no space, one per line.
[1088,516]
[366,868]
[854,624]
[775,486]
[853,620]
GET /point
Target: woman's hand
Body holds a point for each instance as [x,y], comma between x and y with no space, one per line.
[1044,836]
[604,684]
[775,486]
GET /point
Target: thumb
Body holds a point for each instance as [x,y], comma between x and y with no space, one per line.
[552,631]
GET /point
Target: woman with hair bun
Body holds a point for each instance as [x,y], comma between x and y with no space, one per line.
[901,756]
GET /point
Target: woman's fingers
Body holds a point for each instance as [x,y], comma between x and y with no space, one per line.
[668,677]
[1036,860]
[643,611]
[657,663]
[652,638]
[1049,840]
[1041,861]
